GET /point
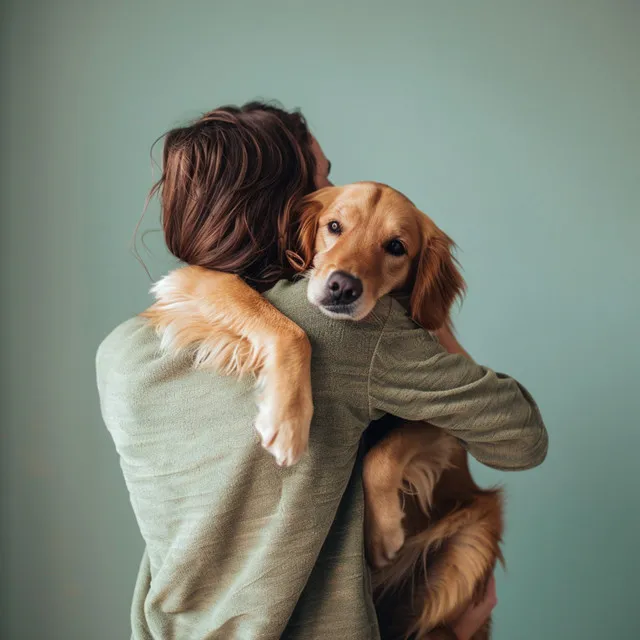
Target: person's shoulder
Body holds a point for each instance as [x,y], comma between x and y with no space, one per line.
[402,339]
[290,297]
[399,319]
[125,337]
[127,347]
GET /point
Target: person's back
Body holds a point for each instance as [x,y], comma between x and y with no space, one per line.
[239,547]
[231,538]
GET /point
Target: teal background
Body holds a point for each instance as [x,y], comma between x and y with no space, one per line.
[515,125]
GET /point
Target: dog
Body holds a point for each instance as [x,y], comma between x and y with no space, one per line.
[432,535]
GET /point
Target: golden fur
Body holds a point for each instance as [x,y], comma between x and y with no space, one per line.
[432,534]
[231,328]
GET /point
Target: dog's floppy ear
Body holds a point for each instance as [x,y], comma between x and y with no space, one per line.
[438,282]
[310,209]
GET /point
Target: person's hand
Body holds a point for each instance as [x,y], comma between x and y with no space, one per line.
[477,614]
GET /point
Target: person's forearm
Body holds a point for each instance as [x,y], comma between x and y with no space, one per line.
[495,417]
[529,449]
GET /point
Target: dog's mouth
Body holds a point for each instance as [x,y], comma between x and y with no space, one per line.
[356,310]
[332,308]
[336,310]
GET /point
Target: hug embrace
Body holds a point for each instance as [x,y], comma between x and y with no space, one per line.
[341,505]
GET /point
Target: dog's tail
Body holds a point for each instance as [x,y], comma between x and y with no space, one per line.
[448,565]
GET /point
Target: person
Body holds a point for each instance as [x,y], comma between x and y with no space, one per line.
[235,546]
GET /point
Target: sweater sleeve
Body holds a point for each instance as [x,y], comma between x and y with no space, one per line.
[414,378]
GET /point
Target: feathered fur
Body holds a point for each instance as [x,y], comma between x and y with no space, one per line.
[431,533]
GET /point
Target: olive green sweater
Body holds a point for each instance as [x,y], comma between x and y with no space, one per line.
[237,547]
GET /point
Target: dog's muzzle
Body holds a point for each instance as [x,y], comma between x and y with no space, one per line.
[342,290]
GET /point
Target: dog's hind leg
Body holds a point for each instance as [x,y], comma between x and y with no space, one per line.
[414,454]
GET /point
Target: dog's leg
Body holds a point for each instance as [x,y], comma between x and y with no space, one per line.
[416,453]
[231,328]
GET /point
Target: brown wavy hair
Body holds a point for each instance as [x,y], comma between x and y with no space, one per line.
[230,186]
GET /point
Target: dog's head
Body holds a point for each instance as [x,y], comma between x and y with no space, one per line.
[365,240]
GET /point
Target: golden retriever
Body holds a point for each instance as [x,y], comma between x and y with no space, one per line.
[432,534]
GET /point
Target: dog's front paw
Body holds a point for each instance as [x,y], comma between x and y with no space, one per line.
[284,431]
[384,537]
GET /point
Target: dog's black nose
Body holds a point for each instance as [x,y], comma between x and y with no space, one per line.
[344,288]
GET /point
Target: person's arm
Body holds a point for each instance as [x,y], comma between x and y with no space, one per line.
[413,377]
[472,620]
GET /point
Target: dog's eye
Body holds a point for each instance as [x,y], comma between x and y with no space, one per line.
[334,228]
[395,248]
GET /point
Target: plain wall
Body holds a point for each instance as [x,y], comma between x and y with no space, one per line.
[515,125]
